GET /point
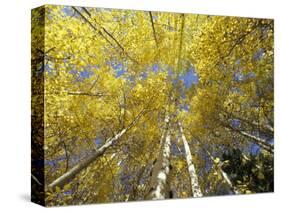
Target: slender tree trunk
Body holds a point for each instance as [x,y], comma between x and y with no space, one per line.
[65,178]
[224,175]
[227,180]
[257,140]
[219,167]
[260,141]
[191,168]
[159,179]
[265,127]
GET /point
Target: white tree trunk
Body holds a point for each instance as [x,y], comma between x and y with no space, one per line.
[227,180]
[219,168]
[257,140]
[191,168]
[65,178]
[261,142]
[265,126]
[224,175]
[159,180]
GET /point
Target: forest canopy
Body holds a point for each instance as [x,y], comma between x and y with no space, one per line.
[141,105]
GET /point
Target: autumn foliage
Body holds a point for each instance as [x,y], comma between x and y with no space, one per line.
[137,105]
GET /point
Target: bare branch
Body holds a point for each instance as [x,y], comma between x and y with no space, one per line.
[153,28]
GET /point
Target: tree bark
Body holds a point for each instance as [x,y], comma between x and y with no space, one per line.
[191,168]
[227,180]
[224,175]
[257,140]
[261,142]
[159,180]
[219,167]
[265,127]
[65,178]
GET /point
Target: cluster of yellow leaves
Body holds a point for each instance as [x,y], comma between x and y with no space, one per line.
[233,58]
[87,99]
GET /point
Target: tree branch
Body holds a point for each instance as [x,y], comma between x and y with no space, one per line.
[153,28]
[107,33]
